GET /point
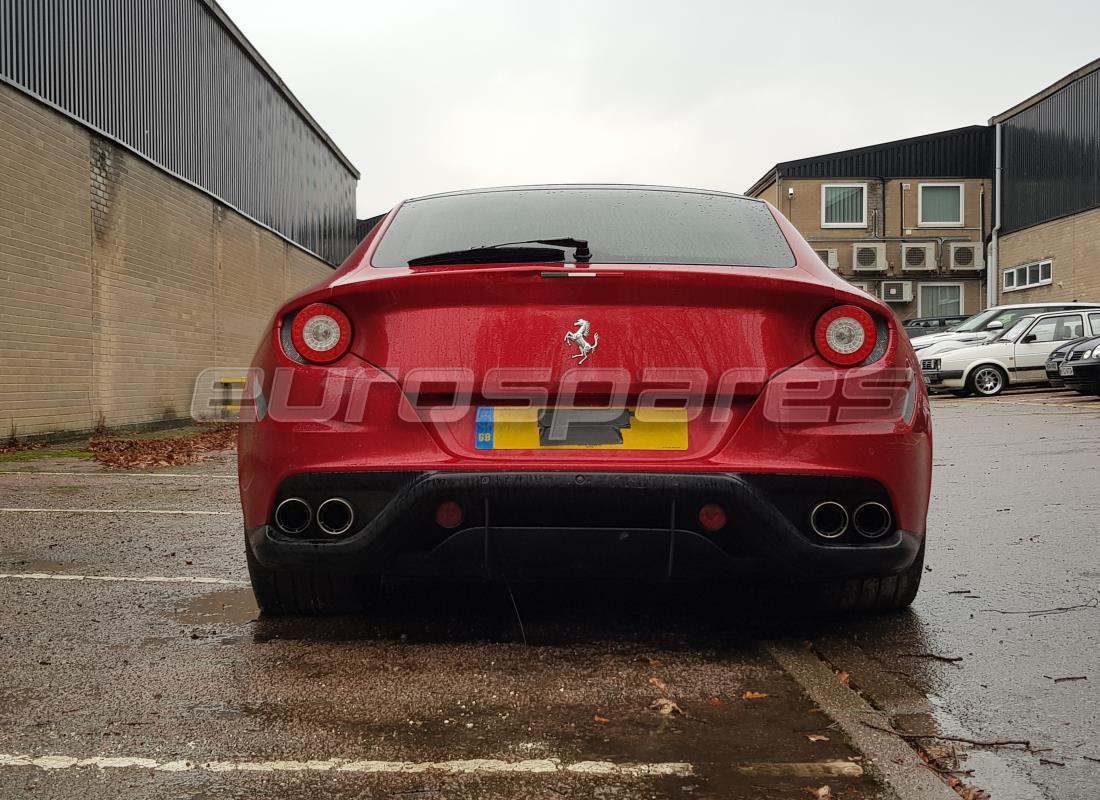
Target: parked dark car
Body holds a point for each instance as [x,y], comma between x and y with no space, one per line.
[1054,362]
[1080,370]
[922,326]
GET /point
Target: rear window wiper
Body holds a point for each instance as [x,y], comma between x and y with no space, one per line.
[509,251]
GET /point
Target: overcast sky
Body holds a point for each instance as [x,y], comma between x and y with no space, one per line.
[426,95]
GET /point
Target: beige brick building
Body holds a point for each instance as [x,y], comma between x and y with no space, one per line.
[904,220]
[1048,243]
[121,277]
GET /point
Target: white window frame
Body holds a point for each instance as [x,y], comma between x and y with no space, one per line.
[922,223]
[862,225]
[962,296]
[1022,269]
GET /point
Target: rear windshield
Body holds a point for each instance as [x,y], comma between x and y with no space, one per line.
[622,226]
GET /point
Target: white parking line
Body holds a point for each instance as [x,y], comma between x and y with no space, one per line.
[196,476]
[465,766]
[60,576]
[116,511]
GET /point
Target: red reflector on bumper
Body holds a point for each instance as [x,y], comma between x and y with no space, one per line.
[712,517]
[448,515]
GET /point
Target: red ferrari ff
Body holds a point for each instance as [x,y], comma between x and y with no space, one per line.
[584,380]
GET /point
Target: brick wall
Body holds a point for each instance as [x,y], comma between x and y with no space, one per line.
[1072,243]
[892,211]
[119,283]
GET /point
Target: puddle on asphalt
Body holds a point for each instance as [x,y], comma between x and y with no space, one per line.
[66,491]
[229,607]
[988,770]
[216,711]
[37,565]
[13,700]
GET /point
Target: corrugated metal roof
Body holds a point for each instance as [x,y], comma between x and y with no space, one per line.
[261,62]
[175,83]
[957,153]
[365,226]
[1040,96]
[1051,155]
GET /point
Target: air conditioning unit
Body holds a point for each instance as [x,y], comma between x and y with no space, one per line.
[918,256]
[869,257]
[967,255]
[829,257]
[897,291]
[866,286]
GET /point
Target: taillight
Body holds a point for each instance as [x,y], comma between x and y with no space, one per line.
[321,333]
[845,335]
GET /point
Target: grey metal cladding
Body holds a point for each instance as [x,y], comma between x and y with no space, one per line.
[170,80]
[1051,156]
[959,153]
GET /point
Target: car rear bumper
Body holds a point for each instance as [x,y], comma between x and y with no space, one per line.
[1085,377]
[585,524]
[943,379]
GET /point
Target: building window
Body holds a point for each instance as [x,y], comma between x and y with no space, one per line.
[940,205]
[844,205]
[1027,275]
[939,299]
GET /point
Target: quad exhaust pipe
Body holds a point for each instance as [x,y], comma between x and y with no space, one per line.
[829,519]
[335,516]
[293,515]
[871,520]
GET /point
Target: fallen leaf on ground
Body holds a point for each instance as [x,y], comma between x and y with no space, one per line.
[658,684]
[170,450]
[821,792]
[817,737]
[937,753]
[601,720]
[754,695]
[843,677]
[665,707]
[716,701]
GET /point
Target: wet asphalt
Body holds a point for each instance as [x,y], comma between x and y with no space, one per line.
[178,668]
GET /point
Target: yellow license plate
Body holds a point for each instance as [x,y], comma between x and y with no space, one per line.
[581,429]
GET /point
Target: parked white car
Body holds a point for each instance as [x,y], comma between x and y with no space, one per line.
[991,323]
[1016,357]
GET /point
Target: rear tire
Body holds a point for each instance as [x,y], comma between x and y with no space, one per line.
[987,380]
[299,593]
[873,594]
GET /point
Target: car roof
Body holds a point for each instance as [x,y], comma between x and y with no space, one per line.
[1047,314]
[552,186]
[1067,304]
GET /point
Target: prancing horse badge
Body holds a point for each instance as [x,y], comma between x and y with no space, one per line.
[579,337]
